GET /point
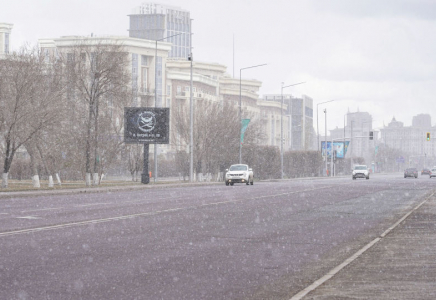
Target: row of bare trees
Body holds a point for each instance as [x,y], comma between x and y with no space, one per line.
[64,109]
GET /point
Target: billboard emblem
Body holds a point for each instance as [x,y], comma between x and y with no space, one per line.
[146,121]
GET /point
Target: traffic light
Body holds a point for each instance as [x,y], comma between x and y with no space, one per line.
[428,136]
[371,135]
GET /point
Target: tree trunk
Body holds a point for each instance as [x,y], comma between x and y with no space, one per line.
[88,149]
[96,157]
[50,181]
[5,180]
[95,180]
[88,179]
[35,181]
[33,166]
[58,179]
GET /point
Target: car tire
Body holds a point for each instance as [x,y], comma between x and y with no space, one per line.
[367,177]
[227,183]
[354,178]
[248,182]
[231,183]
[405,176]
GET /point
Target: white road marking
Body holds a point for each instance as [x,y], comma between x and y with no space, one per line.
[29,218]
[96,221]
[338,268]
[90,204]
[42,209]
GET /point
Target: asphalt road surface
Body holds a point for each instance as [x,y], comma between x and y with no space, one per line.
[266,241]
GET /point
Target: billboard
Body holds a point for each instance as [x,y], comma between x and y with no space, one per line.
[339,147]
[146,125]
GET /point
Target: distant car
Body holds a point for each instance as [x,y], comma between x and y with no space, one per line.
[432,173]
[239,174]
[425,171]
[360,171]
[411,172]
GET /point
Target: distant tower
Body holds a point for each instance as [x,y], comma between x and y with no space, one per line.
[5,38]
[154,21]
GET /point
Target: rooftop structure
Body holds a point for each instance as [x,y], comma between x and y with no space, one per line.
[154,21]
[5,38]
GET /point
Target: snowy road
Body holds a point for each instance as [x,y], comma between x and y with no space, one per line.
[269,240]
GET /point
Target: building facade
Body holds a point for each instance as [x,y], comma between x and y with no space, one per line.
[298,113]
[5,38]
[162,82]
[153,21]
[358,126]
[411,140]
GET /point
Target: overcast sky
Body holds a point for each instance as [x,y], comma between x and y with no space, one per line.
[373,55]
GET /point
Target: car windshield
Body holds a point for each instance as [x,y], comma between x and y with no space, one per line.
[411,170]
[238,168]
[360,168]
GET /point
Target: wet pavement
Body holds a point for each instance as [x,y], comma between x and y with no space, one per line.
[400,264]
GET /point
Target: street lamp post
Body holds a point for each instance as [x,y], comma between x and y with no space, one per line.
[317,128]
[240,108]
[325,142]
[155,101]
[191,112]
[281,127]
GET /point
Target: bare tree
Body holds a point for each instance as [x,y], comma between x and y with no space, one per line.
[30,93]
[99,79]
[135,159]
[216,134]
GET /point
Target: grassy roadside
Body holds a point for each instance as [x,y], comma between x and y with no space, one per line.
[26,185]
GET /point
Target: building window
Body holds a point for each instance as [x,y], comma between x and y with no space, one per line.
[144,80]
[7,43]
[143,60]
[179,90]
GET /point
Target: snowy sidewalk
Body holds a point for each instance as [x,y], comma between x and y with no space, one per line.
[401,265]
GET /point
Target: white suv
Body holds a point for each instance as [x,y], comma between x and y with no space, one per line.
[240,174]
[433,172]
[360,171]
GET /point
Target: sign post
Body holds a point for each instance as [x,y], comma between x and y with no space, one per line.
[146,125]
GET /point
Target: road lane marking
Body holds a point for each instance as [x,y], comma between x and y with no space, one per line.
[352,258]
[42,209]
[29,217]
[90,204]
[97,221]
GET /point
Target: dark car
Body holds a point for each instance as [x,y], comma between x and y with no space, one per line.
[411,172]
[425,171]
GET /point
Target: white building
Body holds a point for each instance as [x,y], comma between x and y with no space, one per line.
[210,82]
[5,38]
[298,115]
[411,140]
[358,126]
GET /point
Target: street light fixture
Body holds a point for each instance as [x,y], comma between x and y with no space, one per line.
[240,107]
[155,102]
[317,128]
[281,127]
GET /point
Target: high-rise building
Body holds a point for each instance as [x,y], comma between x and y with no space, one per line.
[5,38]
[299,117]
[422,121]
[153,21]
